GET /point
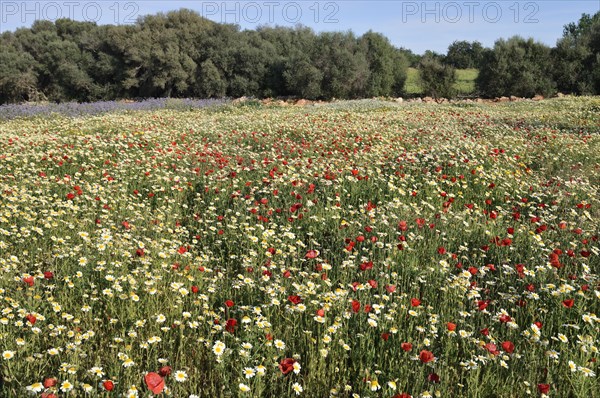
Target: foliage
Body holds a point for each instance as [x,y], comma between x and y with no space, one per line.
[387,66]
[412,58]
[517,66]
[18,80]
[181,54]
[437,79]
[576,57]
[464,55]
[464,85]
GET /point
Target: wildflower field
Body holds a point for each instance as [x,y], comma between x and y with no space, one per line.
[351,249]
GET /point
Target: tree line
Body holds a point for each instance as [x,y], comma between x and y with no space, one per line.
[181,54]
[521,67]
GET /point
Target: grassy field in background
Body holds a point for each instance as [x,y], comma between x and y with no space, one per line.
[465,82]
[412,85]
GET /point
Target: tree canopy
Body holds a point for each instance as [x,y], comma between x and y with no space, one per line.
[517,66]
[182,54]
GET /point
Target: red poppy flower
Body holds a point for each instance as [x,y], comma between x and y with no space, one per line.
[402,395]
[451,326]
[554,260]
[505,318]
[229,303]
[415,302]
[426,356]
[295,299]
[311,254]
[154,382]
[568,303]
[230,325]
[165,371]
[406,346]
[29,280]
[543,388]
[31,319]
[492,349]
[287,365]
[355,306]
[108,385]
[50,382]
[508,346]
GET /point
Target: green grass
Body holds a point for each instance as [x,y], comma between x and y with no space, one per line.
[465,81]
[412,86]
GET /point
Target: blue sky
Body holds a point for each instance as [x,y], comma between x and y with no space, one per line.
[417,25]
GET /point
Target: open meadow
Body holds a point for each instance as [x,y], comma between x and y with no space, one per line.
[464,85]
[349,249]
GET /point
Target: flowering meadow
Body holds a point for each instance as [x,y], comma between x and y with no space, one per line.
[352,249]
[75,109]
